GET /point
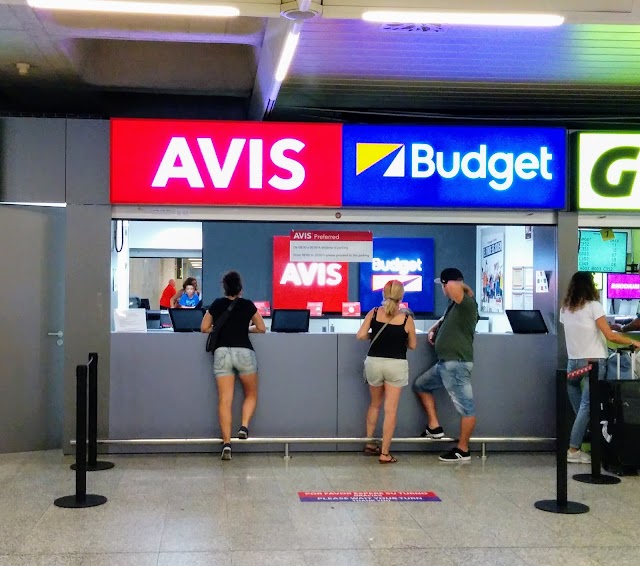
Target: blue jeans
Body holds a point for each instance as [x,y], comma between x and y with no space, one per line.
[455,377]
[578,390]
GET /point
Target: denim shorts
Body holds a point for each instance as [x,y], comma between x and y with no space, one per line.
[386,370]
[455,377]
[227,361]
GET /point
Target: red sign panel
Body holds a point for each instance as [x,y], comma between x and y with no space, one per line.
[295,283]
[264,307]
[189,162]
[351,309]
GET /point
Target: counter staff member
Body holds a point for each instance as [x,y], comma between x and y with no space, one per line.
[169,291]
[234,354]
[452,336]
[175,300]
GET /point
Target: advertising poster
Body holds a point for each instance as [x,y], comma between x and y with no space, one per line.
[492,253]
[410,260]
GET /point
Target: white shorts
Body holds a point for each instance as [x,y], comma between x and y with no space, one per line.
[386,370]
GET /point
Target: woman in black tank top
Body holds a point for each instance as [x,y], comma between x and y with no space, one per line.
[387,371]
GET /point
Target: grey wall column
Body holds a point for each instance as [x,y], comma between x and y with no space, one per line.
[568,239]
[88,274]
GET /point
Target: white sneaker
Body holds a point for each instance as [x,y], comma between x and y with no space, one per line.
[578,457]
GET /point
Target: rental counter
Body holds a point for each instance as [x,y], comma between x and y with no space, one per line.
[311,385]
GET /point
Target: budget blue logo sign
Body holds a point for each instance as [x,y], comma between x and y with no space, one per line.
[454,167]
[409,260]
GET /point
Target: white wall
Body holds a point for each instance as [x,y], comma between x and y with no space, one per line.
[165,235]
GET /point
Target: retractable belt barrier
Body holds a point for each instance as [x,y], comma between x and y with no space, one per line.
[81,499]
[561,504]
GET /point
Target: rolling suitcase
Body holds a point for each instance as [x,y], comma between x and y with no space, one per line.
[620,401]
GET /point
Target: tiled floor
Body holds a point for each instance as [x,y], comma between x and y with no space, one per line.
[196,510]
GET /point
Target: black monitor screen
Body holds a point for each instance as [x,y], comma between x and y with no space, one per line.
[186,320]
[145,304]
[290,320]
[527,322]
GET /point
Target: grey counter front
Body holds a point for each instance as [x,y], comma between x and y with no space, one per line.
[162,386]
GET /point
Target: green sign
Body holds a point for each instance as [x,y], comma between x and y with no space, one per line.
[608,167]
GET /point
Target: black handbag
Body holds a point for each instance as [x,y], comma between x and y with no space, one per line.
[214,335]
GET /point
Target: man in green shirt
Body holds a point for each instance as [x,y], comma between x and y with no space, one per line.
[452,337]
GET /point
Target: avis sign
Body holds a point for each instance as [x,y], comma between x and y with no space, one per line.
[225,163]
[608,170]
[330,245]
[295,283]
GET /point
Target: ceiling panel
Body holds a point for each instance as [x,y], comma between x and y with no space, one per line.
[355,64]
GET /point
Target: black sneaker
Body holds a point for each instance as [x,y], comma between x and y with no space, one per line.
[455,455]
[226,452]
[437,432]
[243,433]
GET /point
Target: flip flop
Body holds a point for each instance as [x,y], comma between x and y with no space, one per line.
[391,460]
[371,451]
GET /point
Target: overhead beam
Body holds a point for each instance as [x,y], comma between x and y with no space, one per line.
[266,87]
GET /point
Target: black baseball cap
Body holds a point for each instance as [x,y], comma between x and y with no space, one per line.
[449,274]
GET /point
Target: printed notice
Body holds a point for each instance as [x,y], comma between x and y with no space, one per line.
[366,496]
[334,246]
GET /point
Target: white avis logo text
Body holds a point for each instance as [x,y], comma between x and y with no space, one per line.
[178,163]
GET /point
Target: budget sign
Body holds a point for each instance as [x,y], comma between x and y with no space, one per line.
[454,166]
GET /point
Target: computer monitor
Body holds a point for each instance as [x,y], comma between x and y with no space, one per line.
[145,304]
[527,322]
[290,320]
[186,320]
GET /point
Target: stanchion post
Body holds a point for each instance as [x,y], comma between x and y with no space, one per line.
[81,499]
[596,476]
[93,465]
[561,503]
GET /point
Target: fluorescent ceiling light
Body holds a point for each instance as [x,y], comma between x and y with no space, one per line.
[127,7]
[50,204]
[463,18]
[288,51]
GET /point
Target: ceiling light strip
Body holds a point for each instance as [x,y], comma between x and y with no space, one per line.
[288,51]
[463,18]
[127,7]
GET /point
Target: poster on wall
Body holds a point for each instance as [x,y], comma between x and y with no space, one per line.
[492,253]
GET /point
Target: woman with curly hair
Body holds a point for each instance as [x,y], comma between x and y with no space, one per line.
[586,334]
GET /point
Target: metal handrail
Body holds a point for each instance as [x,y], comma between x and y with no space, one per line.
[312,440]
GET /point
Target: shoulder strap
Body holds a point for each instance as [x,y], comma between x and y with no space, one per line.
[375,312]
[225,315]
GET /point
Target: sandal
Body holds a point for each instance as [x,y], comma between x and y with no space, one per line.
[370,450]
[391,460]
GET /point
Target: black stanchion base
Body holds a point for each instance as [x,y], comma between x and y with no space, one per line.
[552,506]
[599,480]
[71,502]
[97,467]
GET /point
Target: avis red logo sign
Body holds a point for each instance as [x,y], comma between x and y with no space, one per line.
[297,283]
[225,163]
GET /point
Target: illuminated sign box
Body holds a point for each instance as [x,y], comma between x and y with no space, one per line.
[608,167]
[409,260]
[454,167]
[191,162]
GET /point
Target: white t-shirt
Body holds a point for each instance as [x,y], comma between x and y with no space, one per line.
[583,337]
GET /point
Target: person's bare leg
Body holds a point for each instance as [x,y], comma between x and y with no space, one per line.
[377,394]
[391,400]
[225,399]
[250,388]
[467,424]
[429,404]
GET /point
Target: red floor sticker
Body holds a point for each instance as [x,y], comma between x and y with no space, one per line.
[357,496]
